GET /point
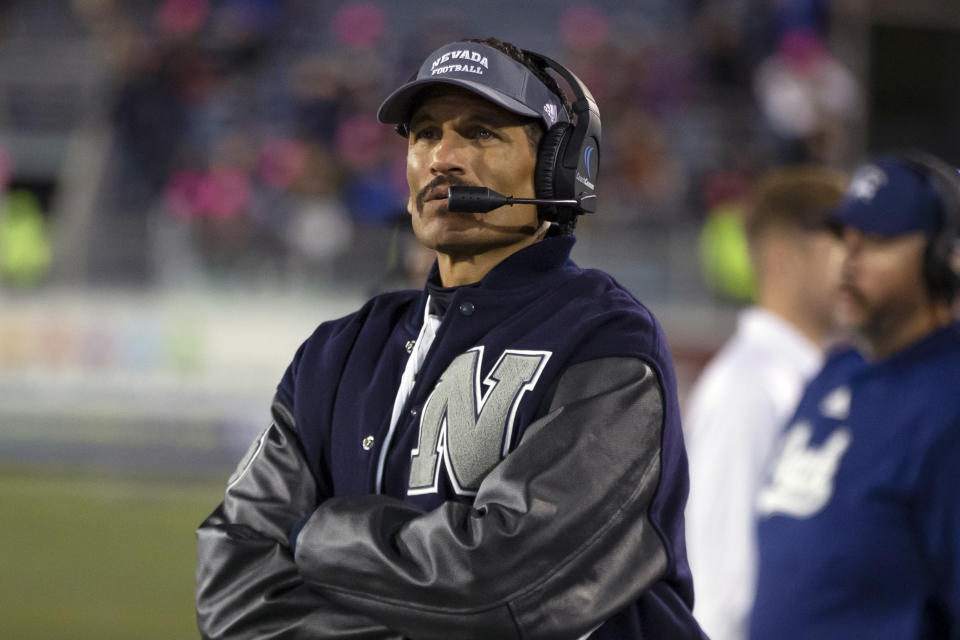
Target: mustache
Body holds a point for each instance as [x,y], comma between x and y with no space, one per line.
[449,181]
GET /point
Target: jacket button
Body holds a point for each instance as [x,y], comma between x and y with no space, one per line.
[367,443]
[414,412]
[467,308]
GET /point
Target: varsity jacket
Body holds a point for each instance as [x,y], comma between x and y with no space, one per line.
[859,534]
[530,484]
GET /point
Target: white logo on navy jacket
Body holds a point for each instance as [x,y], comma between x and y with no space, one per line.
[802,480]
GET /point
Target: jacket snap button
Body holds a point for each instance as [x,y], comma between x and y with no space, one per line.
[367,443]
[467,308]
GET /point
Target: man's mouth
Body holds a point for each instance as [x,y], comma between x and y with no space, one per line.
[437,189]
[436,193]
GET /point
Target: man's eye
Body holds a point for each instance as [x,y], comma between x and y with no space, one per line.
[427,133]
[482,133]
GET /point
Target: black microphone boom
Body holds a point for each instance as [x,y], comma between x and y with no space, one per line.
[483,199]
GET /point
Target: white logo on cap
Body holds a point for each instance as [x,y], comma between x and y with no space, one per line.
[462,59]
[866,181]
[550,113]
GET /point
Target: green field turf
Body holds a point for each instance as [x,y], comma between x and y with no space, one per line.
[85,556]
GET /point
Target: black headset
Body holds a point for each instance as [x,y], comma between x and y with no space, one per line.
[568,159]
[941,260]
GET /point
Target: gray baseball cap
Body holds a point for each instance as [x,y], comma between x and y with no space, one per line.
[483,70]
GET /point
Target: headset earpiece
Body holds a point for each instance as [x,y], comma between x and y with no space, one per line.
[568,158]
[941,264]
[941,267]
[548,159]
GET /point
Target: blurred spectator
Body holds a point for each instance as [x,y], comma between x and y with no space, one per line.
[859,535]
[724,254]
[359,25]
[807,15]
[316,90]
[808,98]
[320,229]
[24,244]
[650,182]
[25,255]
[744,396]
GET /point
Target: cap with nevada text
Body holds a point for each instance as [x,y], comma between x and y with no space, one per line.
[889,197]
[483,70]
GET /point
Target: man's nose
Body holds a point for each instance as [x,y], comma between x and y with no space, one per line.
[449,155]
[851,240]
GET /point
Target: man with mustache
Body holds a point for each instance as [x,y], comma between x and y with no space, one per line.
[859,534]
[496,456]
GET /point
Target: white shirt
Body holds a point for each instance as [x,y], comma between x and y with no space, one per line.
[418,353]
[736,410]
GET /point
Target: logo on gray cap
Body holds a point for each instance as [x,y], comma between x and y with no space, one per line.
[463,61]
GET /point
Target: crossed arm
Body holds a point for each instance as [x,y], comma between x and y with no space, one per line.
[248,586]
[557,540]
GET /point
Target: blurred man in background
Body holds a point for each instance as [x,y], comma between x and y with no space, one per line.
[497,456]
[747,392]
[860,528]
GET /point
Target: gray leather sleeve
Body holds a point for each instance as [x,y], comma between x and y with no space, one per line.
[247,583]
[557,540]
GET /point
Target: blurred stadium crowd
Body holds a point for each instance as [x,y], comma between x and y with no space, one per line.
[238,139]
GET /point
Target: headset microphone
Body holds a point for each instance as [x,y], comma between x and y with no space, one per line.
[483,199]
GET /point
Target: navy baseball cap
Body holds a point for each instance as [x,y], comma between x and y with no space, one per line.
[889,197]
[483,70]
